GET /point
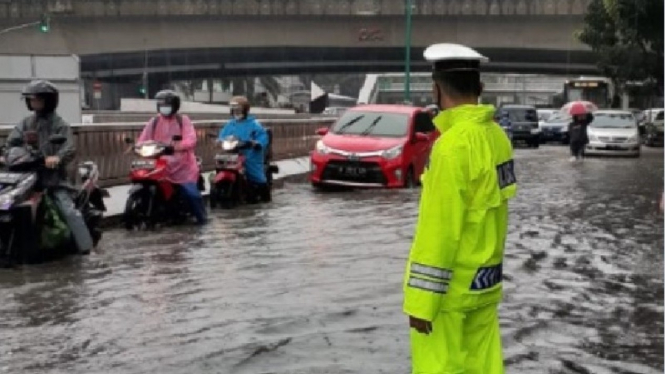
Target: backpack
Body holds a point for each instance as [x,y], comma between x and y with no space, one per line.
[54,230]
[154,121]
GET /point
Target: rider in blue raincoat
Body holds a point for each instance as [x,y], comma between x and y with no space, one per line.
[247,128]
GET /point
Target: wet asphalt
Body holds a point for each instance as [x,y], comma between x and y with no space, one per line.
[311,284]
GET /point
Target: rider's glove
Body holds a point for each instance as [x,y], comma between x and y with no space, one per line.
[169,150]
[256,145]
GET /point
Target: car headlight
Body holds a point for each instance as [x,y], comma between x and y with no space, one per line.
[393,152]
[632,139]
[322,148]
[593,137]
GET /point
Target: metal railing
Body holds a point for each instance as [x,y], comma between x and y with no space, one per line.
[104,143]
[14,9]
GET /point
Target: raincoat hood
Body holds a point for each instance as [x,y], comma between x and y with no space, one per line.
[464,114]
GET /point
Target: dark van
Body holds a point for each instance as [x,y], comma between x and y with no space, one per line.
[524,123]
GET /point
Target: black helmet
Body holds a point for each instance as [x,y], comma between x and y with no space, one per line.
[42,89]
[168,98]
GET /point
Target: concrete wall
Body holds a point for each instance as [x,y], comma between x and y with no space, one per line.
[138,34]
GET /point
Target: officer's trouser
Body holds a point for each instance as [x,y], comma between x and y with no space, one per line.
[74,220]
[461,342]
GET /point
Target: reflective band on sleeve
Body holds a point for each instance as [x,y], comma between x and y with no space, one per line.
[427,285]
[431,271]
[506,174]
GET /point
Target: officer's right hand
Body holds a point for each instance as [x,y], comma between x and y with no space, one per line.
[421,325]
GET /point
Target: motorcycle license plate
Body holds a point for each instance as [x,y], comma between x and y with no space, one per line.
[143,164]
[226,158]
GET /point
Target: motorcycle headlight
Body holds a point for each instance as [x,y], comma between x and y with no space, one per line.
[6,201]
[149,150]
[83,172]
[322,148]
[393,152]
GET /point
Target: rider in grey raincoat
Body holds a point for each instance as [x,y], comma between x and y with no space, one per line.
[42,97]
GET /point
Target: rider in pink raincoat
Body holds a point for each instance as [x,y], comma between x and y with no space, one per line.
[182,169]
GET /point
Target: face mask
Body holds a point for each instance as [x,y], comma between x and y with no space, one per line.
[165,110]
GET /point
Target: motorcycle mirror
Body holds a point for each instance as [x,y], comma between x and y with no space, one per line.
[129,140]
[57,139]
[177,138]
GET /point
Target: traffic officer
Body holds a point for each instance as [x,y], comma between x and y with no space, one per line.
[453,278]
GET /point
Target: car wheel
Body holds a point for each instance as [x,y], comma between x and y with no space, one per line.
[410,179]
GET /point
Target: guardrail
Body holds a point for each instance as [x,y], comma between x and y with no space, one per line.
[104,143]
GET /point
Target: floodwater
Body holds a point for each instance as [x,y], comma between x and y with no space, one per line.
[312,284]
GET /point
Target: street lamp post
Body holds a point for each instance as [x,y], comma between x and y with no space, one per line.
[407,53]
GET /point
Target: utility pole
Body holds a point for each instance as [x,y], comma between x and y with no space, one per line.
[407,53]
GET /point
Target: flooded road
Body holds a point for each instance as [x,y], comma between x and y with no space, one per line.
[312,284]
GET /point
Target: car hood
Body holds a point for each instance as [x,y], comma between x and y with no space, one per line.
[599,131]
[554,124]
[356,143]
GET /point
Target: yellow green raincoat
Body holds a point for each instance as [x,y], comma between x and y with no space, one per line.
[453,276]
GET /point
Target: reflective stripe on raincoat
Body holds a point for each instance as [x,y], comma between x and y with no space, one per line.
[457,253]
[182,167]
[247,130]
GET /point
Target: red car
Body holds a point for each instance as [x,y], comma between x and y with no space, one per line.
[374,146]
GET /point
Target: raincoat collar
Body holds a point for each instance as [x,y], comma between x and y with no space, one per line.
[246,120]
[448,118]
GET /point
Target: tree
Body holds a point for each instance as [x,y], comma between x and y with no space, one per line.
[627,36]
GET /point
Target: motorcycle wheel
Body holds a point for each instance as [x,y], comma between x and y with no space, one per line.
[226,195]
[135,214]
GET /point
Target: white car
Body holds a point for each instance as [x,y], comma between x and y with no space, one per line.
[614,132]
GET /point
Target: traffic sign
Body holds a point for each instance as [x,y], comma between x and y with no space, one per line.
[97,90]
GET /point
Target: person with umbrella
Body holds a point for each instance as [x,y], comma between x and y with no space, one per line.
[577,129]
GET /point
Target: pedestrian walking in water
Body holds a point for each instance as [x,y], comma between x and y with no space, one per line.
[577,131]
[453,281]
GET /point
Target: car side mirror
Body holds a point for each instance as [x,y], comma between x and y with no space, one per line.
[322,131]
[129,140]
[421,137]
[177,138]
[57,139]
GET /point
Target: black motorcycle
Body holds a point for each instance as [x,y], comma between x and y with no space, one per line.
[23,204]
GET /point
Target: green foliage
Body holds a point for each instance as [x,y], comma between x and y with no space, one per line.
[627,35]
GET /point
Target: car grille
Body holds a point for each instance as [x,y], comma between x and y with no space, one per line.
[359,172]
[553,130]
[611,139]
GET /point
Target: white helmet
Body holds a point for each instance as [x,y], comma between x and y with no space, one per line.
[447,52]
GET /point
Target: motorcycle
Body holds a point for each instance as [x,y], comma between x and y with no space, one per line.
[229,185]
[22,202]
[153,199]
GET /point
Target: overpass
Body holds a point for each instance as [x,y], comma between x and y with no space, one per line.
[119,40]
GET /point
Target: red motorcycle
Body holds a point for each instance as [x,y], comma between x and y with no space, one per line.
[153,199]
[228,185]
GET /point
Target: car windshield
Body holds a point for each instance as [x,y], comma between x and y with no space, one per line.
[544,115]
[390,125]
[522,114]
[613,120]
